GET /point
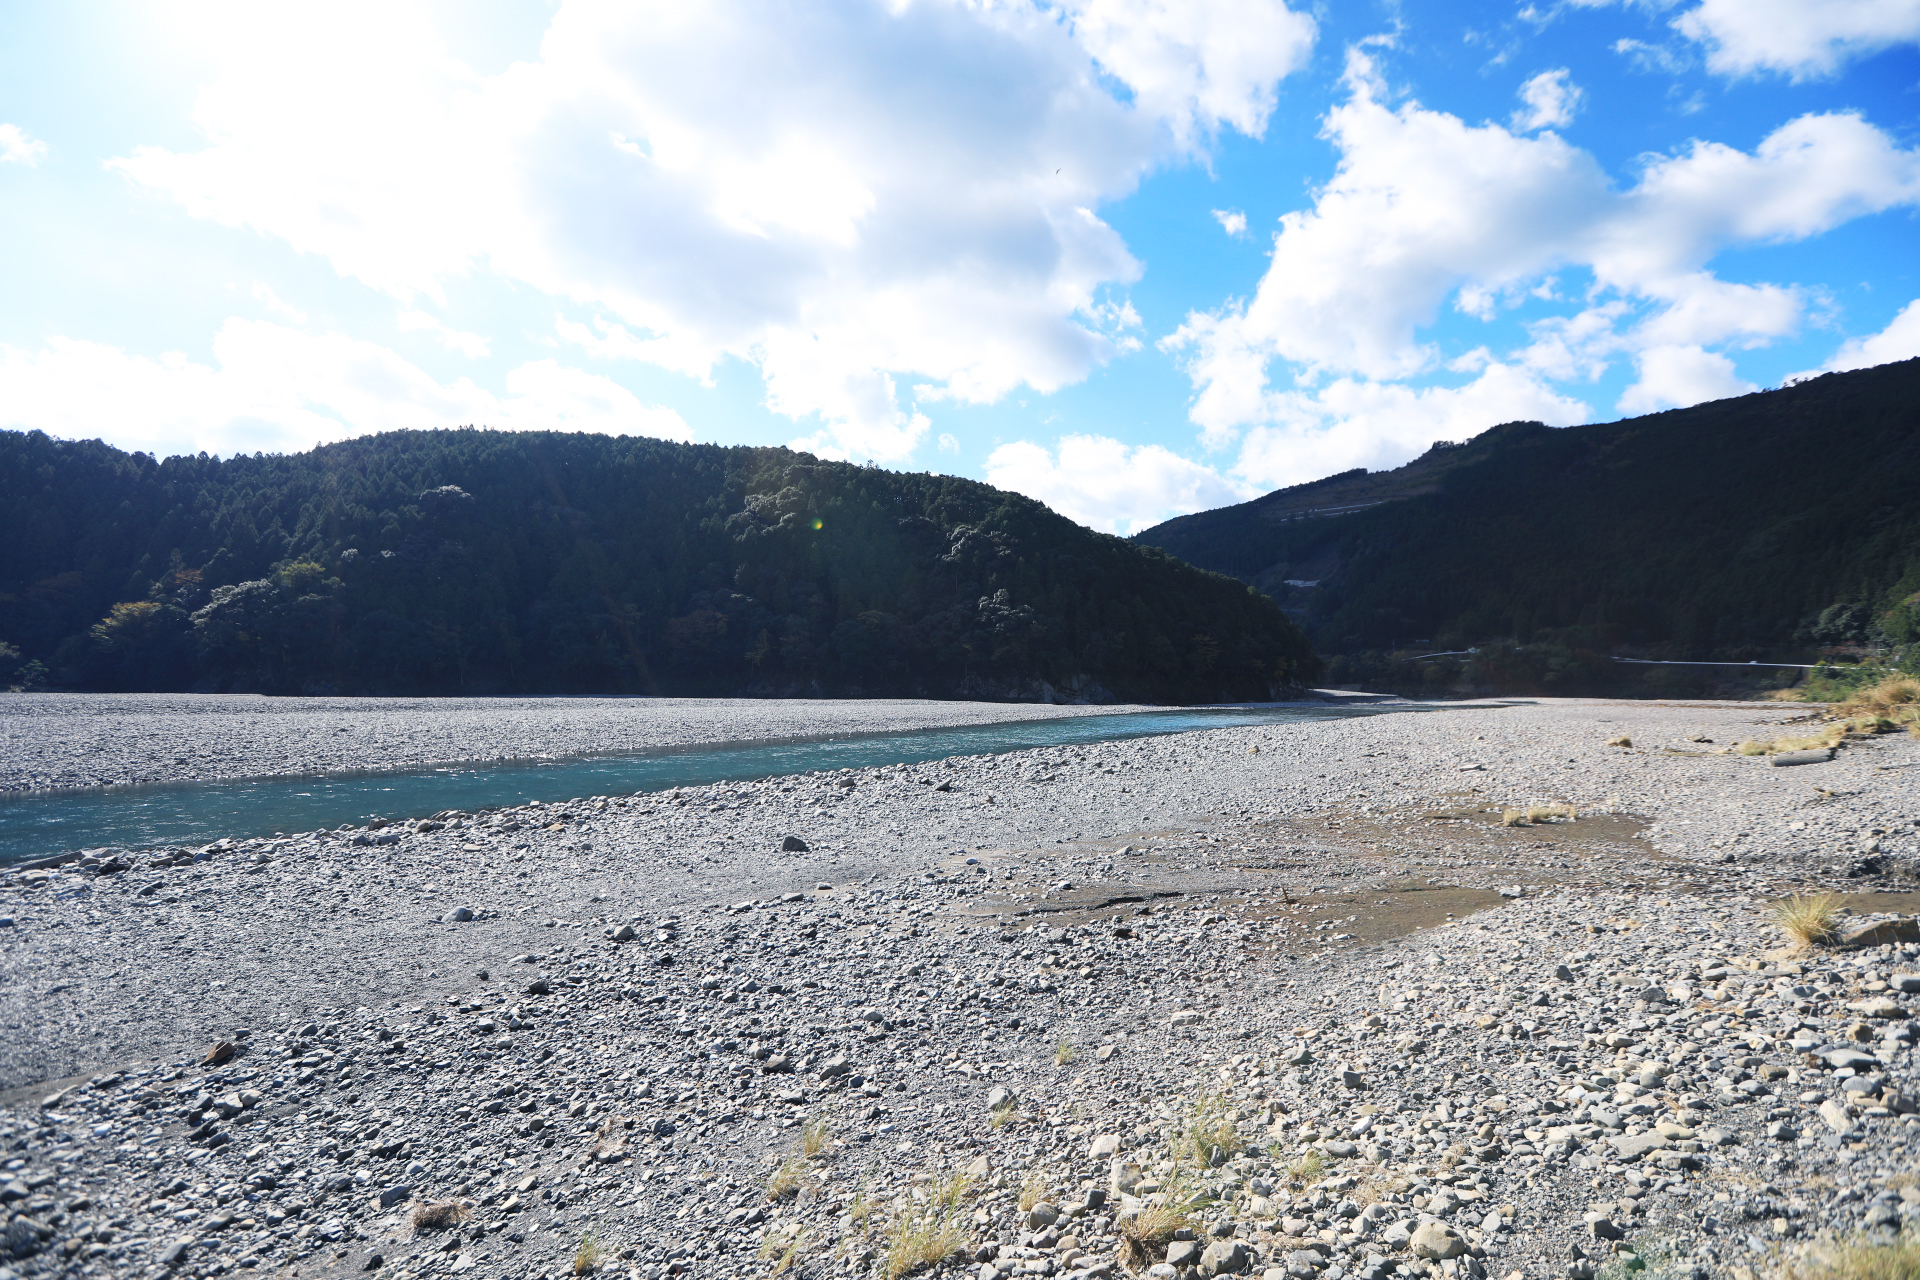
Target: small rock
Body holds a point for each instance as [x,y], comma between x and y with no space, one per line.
[793,844]
[1104,1147]
[1042,1215]
[1000,1097]
[1186,1018]
[1223,1257]
[394,1195]
[461,915]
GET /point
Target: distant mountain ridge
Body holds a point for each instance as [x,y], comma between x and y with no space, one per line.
[473,561]
[1739,527]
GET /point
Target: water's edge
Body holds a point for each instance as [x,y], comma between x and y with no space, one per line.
[39,824]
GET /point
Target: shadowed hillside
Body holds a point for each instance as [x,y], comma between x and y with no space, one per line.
[482,561]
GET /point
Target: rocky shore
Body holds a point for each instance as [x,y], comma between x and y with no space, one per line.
[1284,1002]
[54,741]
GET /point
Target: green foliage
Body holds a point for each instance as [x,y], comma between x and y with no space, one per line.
[494,562]
[1765,526]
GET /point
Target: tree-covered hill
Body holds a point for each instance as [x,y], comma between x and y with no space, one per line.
[492,562]
[1752,527]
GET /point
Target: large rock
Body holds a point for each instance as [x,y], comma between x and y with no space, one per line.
[1436,1241]
[1634,1145]
[1223,1258]
[1898,931]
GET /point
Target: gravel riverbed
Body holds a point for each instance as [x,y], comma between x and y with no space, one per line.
[54,741]
[1281,1001]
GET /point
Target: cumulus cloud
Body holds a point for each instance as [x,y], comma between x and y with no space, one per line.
[1111,486]
[1900,340]
[1548,101]
[1797,38]
[1355,423]
[1425,209]
[1675,376]
[275,388]
[1231,221]
[903,190]
[17,146]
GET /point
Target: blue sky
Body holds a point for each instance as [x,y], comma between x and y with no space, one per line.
[1133,257]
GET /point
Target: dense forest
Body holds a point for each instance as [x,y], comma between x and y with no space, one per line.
[1774,526]
[470,561]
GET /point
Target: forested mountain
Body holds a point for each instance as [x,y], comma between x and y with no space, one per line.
[491,562]
[1762,526]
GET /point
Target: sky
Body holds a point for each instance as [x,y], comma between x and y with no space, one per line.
[1134,258]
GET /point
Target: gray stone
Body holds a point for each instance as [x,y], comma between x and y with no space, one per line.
[1223,1257]
[394,1195]
[1043,1215]
[1436,1241]
[1633,1146]
[461,915]
[793,844]
[1183,1253]
[1000,1097]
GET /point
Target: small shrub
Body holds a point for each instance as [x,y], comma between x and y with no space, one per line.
[1513,818]
[1809,921]
[1065,1052]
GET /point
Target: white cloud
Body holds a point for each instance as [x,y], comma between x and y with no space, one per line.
[278,389]
[1549,101]
[1900,340]
[1232,221]
[1352,423]
[275,304]
[1676,376]
[471,345]
[1800,38]
[1111,486]
[1424,209]
[908,189]
[17,146]
[1197,66]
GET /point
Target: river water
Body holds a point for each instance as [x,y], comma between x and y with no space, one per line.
[34,825]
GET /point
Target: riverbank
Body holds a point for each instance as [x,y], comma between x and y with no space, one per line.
[55,741]
[618,1017]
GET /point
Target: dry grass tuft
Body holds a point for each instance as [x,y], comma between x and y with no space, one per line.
[1210,1128]
[589,1255]
[915,1241]
[785,1182]
[1539,814]
[1003,1115]
[783,1250]
[1144,1235]
[437,1215]
[1064,1052]
[1622,741]
[1033,1189]
[1307,1169]
[1809,920]
[1894,1260]
[1891,697]
[814,1137]
[948,1191]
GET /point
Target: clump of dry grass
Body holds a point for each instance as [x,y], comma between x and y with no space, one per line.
[1064,1052]
[1622,741]
[1891,697]
[437,1215]
[1307,1169]
[783,1250]
[1809,920]
[1033,1189]
[589,1255]
[1863,1260]
[786,1179]
[814,1137]
[1004,1114]
[947,1191]
[1144,1235]
[1210,1128]
[1539,815]
[916,1240]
